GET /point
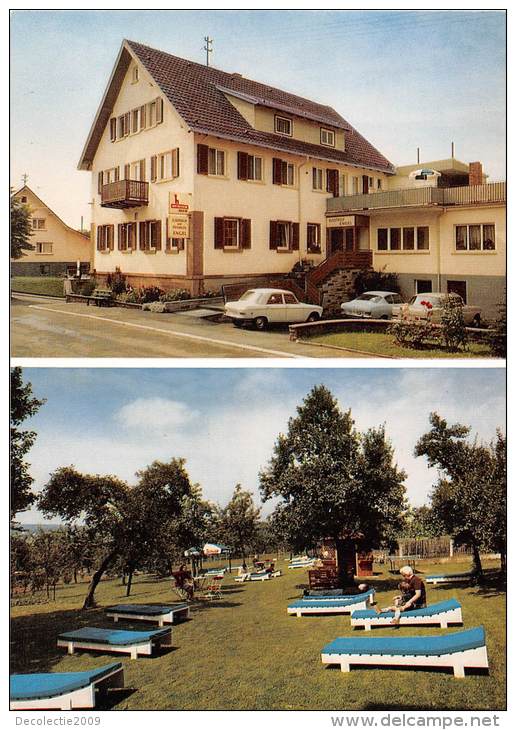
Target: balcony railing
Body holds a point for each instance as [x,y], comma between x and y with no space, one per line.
[125,194]
[419,197]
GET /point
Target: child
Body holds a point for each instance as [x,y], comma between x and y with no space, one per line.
[398,601]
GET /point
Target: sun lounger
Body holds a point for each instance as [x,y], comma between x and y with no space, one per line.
[448,578]
[337,604]
[369,595]
[303,564]
[458,650]
[63,690]
[243,577]
[168,614]
[441,614]
[123,642]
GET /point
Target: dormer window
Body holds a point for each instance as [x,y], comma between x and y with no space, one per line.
[283,125]
[327,137]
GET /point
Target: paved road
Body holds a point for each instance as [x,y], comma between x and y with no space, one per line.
[51,328]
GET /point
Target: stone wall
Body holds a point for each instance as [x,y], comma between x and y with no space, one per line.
[336,289]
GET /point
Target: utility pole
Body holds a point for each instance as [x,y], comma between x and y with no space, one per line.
[208,48]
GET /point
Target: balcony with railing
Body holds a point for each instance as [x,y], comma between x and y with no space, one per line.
[125,194]
[492,192]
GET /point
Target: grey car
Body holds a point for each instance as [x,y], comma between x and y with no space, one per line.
[372,304]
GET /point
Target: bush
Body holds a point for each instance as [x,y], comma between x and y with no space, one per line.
[86,288]
[453,330]
[149,294]
[175,295]
[412,333]
[367,280]
[498,338]
[117,282]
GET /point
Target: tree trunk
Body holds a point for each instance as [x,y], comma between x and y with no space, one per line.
[503,561]
[123,577]
[129,582]
[89,601]
[75,571]
[477,563]
[345,550]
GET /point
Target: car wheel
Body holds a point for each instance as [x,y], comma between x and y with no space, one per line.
[384,316]
[314,317]
[260,323]
[476,321]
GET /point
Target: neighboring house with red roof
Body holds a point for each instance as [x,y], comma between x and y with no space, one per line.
[57,246]
[202,177]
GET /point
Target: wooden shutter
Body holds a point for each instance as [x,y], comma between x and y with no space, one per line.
[143,116]
[202,159]
[276,171]
[219,233]
[111,237]
[159,110]
[273,235]
[99,238]
[245,233]
[153,168]
[127,172]
[332,182]
[120,236]
[142,169]
[175,162]
[100,182]
[117,173]
[242,165]
[295,236]
[365,183]
[157,235]
[131,236]
[143,235]
[112,128]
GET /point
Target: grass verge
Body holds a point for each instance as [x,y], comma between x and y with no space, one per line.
[378,343]
[245,653]
[49,285]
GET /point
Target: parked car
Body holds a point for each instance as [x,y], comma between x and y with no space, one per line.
[372,304]
[270,306]
[430,306]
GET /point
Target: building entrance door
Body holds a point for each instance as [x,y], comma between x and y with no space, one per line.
[342,239]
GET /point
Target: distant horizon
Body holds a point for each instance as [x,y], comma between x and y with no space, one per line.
[446,84]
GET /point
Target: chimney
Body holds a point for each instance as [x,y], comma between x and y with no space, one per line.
[475,173]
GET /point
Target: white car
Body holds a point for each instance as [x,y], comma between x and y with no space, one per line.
[430,306]
[372,304]
[270,306]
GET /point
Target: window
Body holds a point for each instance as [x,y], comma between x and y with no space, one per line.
[282,172]
[317,178]
[151,114]
[135,121]
[289,299]
[137,170]
[24,199]
[105,238]
[313,237]
[44,269]
[216,162]
[283,125]
[332,182]
[112,129]
[150,235]
[232,233]
[44,247]
[254,167]
[327,137]
[275,299]
[476,237]
[355,185]
[284,236]
[370,186]
[423,286]
[39,224]
[127,236]
[174,244]
[168,165]
[457,287]
[403,239]
[378,184]
[124,125]
[344,184]
[135,75]
[111,175]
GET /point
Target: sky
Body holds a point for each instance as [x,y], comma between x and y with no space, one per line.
[404,79]
[225,422]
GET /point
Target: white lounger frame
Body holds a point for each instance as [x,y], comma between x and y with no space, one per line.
[78,699]
[448,579]
[161,619]
[330,608]
[254,577]
[442,619]
[458,661]
[135,650]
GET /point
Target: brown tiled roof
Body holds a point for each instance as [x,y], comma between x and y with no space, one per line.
[196,93]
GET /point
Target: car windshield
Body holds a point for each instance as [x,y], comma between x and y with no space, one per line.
[248,295]
[396,299]
[368,298]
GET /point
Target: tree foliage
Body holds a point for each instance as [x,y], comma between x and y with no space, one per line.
[469,498]
[333,482]
[23,406]
[21,228]
[237,522]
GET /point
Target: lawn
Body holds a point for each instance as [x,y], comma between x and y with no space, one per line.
[38,285]
[378,343]
[244,651]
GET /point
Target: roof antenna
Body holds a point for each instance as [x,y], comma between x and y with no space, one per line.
[208,48]
[418,155]
[453,150]
[25,177]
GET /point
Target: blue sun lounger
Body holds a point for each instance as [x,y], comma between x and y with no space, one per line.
[458,650]
[448,578]
[119,642]
[441,614]
[63,690]
[168,614]
[330,604]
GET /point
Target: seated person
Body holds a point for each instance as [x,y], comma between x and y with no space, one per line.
[412,596]
[183,581]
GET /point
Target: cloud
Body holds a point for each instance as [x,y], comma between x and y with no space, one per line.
[154,415]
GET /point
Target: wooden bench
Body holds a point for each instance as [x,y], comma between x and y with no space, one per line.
[101,297]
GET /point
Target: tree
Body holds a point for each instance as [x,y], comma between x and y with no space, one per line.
[469,497]
[238,521]
[23,406]
[21,228]
[498,336]
[333,482]
[421,522]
